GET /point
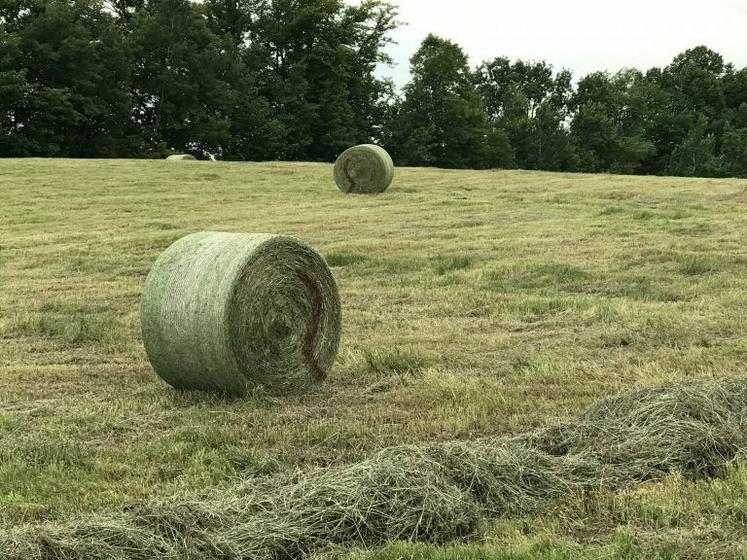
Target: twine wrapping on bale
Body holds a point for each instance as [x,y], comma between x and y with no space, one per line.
[227,312]
[364,169]
[181,157]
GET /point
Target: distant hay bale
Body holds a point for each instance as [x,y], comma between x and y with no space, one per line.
[364,169]
[181,157]
[227,312]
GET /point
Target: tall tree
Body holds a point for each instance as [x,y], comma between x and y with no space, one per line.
[14,91]
[64,79]
[609,126]
[734,151]
[696,155]
[528,103]
[441,120]
[696,75]
[315,62]
[500,82]
[180,85]
[296,79]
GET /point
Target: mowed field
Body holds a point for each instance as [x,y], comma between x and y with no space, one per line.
[474,304]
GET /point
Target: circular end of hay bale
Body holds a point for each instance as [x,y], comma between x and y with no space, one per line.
[181,157]
[230,312]
[364,169]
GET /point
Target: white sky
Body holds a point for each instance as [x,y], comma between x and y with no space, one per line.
[582,35]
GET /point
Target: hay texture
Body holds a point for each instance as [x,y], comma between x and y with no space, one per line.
[430,493]
[364,169]
[181,157]
[228,312]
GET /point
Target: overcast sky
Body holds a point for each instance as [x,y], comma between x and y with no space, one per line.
[582,35]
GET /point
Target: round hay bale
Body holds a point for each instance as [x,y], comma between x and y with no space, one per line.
[364,169]
[181,157]
[228,312]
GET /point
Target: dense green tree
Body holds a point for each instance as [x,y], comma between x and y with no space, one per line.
[182,80]
[64,71]
[664,123]
[595,134]
[697,77]
[500,82]
[499,151]
[690,97]
[530,104]
[14,90]
[125,9]
[734,151]
[441,120]
[735,88]
[315,62]
[231,19]
[297,79]
[609,125]
[236,79]
[696,155]
[740,116]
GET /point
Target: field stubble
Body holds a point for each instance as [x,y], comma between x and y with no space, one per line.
[475,304]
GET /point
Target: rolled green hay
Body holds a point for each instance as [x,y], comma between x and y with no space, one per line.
[364,169]
[181,157]
[228,312]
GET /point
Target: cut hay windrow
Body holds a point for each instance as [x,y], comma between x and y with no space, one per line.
[433,493]
[364,169]
[181,157]
[228,312]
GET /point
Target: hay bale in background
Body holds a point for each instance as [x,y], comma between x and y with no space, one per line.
[181,157]
[364,169]
[227,312]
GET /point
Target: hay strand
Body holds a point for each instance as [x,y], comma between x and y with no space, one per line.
[227,312]
[434,493]
[364,169]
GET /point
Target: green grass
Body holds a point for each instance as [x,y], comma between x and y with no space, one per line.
[474,304]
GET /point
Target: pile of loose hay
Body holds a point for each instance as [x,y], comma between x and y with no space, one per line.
[181,157]
[364,169]
[693,428]
[228,312]
[434,493]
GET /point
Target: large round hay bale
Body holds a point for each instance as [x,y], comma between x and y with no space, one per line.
[364,169]
[229,312]
[181,157]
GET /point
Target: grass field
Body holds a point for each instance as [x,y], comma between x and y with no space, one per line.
[474,304]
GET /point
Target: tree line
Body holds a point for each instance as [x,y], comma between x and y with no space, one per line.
[297,80]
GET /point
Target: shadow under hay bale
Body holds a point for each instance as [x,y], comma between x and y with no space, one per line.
[227,312]
[434,493]
[364,169]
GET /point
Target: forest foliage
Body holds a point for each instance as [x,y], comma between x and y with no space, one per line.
[299,80]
